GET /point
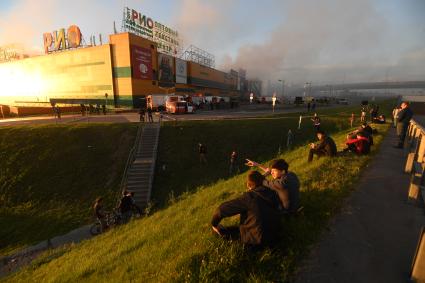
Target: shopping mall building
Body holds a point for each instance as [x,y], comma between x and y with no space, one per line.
[120,74]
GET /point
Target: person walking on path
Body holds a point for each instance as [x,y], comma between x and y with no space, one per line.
[104,109]
[395,113]
[142,114]
[202,153]
[316,121]
[403,120]
[325,147]
[150,118]
[308,107]
[313,106]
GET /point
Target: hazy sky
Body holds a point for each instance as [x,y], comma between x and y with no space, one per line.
[296,40]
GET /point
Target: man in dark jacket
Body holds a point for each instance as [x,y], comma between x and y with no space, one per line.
[403,120]
[326,147]
[258,210]
[284,183]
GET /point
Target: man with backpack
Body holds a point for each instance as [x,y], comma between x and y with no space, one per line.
[125,206]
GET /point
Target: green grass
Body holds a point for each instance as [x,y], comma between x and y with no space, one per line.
[50,176]
[176,244]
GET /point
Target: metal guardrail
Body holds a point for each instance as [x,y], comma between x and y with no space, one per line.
[415,162]
[131,157]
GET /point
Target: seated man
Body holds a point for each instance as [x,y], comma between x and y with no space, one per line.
[359,145]
[258,210]
[284,183]
[326,147]
[380,119]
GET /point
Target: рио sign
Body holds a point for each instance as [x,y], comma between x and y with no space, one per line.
[57,40]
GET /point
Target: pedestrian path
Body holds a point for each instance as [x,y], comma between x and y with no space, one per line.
[375,236]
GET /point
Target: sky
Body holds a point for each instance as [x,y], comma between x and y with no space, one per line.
[322,41]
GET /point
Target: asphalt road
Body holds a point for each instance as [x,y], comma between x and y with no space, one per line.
[247,111]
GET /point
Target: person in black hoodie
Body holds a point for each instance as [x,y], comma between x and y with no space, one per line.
[259,214]
[325,147]
[403,120]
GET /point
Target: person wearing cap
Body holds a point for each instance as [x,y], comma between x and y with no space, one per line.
[259,214]
[285,183]
[403,120]
[325,147]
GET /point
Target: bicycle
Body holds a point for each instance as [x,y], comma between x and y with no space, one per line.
[112,219]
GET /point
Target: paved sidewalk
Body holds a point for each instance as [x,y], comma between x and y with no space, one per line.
[375,236]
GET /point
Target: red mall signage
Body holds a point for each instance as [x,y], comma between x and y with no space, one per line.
[58,41]
[141,62]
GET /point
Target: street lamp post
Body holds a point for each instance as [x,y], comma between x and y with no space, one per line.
[283,87]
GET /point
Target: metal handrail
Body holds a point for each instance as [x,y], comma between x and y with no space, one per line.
[131,157]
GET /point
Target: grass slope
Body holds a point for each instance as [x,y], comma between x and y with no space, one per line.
[176,243]
[50,176]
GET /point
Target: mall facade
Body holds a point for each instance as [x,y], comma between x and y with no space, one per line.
[119,74]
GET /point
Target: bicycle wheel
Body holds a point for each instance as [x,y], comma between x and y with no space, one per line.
[96,229]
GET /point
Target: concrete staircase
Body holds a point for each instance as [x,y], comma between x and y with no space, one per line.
[140,172]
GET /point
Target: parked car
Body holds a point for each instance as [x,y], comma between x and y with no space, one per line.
[343,101]
[180,107]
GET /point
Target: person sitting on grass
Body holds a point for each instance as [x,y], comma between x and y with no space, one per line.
[380,119]
[100,213]
[366,130]
[284,183]
[325,147]
[360,145]
[259,215]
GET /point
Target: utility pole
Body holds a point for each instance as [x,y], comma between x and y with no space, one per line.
[283,87]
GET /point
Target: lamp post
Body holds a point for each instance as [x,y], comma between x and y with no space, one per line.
[283,87]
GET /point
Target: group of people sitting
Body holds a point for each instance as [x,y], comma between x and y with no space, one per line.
[261,207]
[358,142]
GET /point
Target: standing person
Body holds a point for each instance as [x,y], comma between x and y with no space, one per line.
[100,213]
[202,153]
[150,118]
[395,113]
[316,121]
[308,107]
[325,147]
[286,184]
[58,112]
[259,215]
[142,114]
[83,110]
[234,168]
[372,113]
[313,106]
[363,115]
[104,109]
[403,120]
[126,207]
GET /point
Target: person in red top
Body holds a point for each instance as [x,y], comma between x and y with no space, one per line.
[359,145]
